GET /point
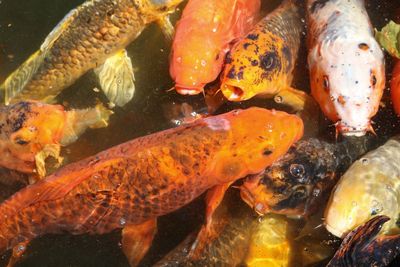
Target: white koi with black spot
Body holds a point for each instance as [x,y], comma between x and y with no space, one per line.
[346,63]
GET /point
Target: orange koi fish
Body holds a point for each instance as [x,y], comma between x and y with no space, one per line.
[31,131]
[203,35]
[130,185]
[395,87]
[262,62]
[347,68]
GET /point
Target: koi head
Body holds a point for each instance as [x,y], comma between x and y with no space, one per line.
[295,184]
[363,191]
[258,137]
[27,127]
[259,64]
[347,80]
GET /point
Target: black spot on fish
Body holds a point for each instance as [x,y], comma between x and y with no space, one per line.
[245,45]
[252,36]
[228,58]
[318,5]
[269,61]
[240,75]
[267,152]
[254,62]
[232,73]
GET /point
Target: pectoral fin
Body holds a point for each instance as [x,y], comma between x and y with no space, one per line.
[213,199]
[51,150]
[117,79]
[136,240]
[167,28]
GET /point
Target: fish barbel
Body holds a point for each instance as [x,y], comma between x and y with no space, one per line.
[91,36]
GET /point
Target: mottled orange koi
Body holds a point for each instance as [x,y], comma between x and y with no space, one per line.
[130,185]
[202,38]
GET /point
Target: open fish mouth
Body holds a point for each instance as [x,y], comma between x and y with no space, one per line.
[233,93]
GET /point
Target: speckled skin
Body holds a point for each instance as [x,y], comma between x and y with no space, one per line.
[347,70]
[369,187]
[203,37]
[93,32]
[298,182]
[263,61]
[148,177]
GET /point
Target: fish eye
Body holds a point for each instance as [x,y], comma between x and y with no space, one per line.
[297,170]
[21,142]
[326,83]
[268,61]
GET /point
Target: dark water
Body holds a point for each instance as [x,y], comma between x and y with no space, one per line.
[24,24]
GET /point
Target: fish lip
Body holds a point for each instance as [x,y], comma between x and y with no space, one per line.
[248,198]
[189,90]
[228,91]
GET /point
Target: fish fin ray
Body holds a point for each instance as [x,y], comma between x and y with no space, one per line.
[137,239]
[58,30]
[117,79]
[167,28]
[17,80]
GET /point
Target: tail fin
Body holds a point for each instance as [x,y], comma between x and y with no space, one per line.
[17,80]
[79,120]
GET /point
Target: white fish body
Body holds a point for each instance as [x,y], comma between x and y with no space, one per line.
[346,63]
[371,186]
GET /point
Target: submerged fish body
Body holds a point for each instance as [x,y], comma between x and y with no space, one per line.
[346,63]
[369,187]
[262,62]
[130,185]
[30,131]
[298,182]
[203,37]
[91,34]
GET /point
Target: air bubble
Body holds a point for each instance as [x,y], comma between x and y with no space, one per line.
[364,161]
[122,221]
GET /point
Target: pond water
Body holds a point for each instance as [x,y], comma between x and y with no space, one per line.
[23,27]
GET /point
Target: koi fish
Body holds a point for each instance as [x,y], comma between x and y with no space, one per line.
[363,246]
[203,36]
[232,225]
[91,36]
[389,38]
[297,183]
[32,131]
[130,185]
[347,68]
[368,188]
[262,62]
[239,238]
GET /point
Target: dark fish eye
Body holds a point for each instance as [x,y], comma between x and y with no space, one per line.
[21,142]
[297,170]
[268,61]
[326,83]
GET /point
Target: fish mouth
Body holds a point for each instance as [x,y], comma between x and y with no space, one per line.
[248,198]
[233,93]
[187,90]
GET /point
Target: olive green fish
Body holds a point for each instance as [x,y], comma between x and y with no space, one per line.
[92,36]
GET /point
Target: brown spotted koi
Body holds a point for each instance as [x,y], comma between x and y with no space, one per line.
[91,36]
[130,185]
[32,131]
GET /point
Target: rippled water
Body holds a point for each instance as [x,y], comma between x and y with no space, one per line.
[23,26]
